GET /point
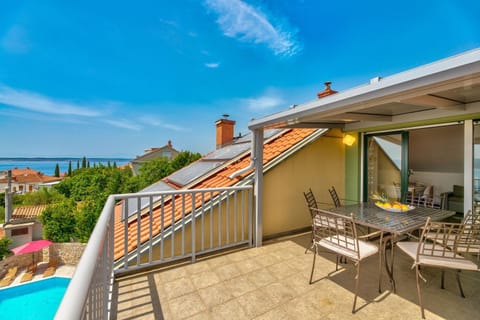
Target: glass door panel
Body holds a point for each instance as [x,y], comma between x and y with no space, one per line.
[384,166]
[476,167]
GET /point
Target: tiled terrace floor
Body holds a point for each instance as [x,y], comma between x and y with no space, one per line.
[271,282]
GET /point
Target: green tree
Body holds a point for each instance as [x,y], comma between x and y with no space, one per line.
[154,170]
[2,214]
[42,196]
[69,168]
[115,164]
[57,170]
[183,159]
[85,219]
[88,164]
[4,251]
[84,162]
[78,164]
[59,221]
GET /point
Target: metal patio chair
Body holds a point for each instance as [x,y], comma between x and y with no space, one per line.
[335,198]
[311,203]
[338,234]
[443,245]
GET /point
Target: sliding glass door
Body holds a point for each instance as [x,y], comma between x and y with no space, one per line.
[386,165]
[476,167]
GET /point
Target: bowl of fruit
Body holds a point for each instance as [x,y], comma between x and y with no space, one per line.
[391,206]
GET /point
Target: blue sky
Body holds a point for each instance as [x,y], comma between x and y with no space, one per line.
[111,78]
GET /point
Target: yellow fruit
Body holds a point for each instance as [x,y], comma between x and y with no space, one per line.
[404,207]
[387,205]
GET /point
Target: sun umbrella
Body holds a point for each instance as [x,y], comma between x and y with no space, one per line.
[32,246]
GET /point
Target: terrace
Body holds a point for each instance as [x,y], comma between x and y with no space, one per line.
[127,270]
[271,282]
[243,282]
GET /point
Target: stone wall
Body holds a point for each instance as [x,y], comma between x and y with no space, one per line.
[66,253]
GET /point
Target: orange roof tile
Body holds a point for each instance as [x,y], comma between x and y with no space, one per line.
[28,175]
[219,179]
[28,212]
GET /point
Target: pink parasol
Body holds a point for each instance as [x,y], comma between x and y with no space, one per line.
[32,246]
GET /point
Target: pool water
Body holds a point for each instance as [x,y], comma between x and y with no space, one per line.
[34,300]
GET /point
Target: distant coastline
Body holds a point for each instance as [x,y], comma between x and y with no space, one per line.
[59,159]
[46,165]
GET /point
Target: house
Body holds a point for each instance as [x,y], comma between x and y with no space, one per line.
[284,151]
[428,114]
[167,151]
[23,226]
[26,180]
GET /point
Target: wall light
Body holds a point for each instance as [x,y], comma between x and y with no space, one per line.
[348,140]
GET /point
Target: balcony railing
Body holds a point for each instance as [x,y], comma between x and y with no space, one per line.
[153,229]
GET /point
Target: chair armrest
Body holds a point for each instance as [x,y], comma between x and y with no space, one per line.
[371,234]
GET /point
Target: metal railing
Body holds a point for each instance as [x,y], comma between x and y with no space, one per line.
[153,229]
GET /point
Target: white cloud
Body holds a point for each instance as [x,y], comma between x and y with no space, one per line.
[124,124]
[265,102]
[240,20]
[212,65]
[159,123]
[173,127]
[42,104]
[16,40]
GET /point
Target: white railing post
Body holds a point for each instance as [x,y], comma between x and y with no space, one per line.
[89,293]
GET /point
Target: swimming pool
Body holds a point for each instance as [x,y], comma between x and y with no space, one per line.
[34,300]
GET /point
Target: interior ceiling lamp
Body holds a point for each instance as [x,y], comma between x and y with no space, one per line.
[349,140]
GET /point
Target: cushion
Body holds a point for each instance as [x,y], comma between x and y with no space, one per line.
[458,191]
[365,248]
[447,261]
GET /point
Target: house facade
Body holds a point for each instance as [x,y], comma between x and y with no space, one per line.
[411,130]
[288,172]
[167,151]
[23,226]
[25,180]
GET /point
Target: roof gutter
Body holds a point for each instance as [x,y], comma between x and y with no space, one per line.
[251,165]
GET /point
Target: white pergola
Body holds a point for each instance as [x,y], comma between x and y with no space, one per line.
[445,89]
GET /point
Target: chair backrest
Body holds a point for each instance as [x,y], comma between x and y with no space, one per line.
[335,198]
[336,230]
[311,201]
[471,219]
[448,240]
[470,240]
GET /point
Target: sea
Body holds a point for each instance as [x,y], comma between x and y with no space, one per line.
[47,165]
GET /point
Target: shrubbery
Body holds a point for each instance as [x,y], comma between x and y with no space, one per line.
[78,200]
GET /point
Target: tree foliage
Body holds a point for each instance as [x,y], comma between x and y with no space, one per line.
[59,221]
[42,196]
[183,159]
[4,251]
[57,171]
[81,196]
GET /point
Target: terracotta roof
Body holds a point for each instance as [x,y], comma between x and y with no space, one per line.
[28,175]
[220,178]
[28,212]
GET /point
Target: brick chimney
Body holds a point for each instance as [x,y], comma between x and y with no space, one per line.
[225,130]
[327,91]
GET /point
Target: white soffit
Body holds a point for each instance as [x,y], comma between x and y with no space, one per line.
[443,88]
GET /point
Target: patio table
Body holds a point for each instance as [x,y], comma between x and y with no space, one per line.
[394,223]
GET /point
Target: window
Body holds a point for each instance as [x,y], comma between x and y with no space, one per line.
[19,232]
[167,154]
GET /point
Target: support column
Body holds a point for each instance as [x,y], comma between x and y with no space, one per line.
[258,186]
[468,166]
